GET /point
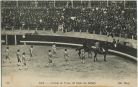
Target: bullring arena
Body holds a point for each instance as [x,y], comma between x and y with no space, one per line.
[114,69]
[119,69]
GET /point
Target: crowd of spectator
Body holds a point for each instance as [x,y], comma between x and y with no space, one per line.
[113,19]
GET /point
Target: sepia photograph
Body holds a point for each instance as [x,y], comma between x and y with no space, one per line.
[68,43]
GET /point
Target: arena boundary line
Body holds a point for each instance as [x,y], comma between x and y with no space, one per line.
[71,44]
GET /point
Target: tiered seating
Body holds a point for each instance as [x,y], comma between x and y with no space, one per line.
[100,17]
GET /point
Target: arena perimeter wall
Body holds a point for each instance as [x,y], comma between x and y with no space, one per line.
[39,39]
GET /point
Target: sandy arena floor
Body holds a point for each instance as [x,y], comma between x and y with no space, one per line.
[116,69]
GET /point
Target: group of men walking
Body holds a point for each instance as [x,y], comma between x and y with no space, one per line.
[21,57]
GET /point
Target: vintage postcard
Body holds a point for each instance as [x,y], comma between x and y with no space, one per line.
[68,43]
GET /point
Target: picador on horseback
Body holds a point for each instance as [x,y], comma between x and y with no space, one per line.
[96,48]
[101,48]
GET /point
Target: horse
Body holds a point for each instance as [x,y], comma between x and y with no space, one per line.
[87,48]
[102,49]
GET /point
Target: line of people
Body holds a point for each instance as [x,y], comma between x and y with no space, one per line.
[22,58]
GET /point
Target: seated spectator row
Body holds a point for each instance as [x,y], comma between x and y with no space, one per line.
[69,3]
[114,19]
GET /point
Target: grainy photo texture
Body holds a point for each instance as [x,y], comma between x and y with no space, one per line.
[69,43]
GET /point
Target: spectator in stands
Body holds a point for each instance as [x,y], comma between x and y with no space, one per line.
[113,20]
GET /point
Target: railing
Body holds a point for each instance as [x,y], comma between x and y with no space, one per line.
[74,39]
[131,42]
[78,45]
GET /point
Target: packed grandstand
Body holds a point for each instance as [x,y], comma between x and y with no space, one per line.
[43,42]
[99,17]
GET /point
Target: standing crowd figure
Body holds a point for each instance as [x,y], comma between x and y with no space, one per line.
[50,57]
[83,56]
[24,60]
[54,49]
[31,51]
[66,55]
[18,57]
[7,55]
[51,54]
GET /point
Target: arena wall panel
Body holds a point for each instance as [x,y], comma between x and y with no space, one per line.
[45,39]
